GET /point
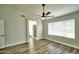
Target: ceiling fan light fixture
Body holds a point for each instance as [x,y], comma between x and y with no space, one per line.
[43,18]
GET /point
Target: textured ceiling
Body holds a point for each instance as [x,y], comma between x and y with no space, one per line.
[56,9]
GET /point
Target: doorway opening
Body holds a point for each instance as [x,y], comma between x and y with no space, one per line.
[31,24]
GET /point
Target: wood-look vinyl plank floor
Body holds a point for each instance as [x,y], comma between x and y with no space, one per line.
[45,47]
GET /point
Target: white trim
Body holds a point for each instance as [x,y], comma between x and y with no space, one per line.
[14,44]
[64,43]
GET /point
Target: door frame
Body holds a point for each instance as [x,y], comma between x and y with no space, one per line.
[28,29]
[3,34]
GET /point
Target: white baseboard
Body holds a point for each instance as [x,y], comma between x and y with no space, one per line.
[64,43]
[14,44]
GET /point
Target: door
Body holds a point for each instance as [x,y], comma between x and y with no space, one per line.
[1,33]
[31,24]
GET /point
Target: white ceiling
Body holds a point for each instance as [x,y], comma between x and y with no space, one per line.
[56,9]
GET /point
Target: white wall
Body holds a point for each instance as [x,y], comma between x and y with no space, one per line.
[66,41]
[39,29]
[15,25]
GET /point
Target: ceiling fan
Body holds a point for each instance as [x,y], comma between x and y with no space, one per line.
[45,15]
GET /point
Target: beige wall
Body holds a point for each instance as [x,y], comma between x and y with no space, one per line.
[67,41]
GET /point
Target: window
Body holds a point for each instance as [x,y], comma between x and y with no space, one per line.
[62,28]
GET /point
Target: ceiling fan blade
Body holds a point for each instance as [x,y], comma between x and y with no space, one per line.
[23,16]
[51,16]
[48,13]
[39,15]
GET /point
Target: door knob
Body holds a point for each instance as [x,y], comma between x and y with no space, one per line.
[1,35]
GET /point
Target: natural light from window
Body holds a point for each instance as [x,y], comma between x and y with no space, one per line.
[31,23]
[62,28]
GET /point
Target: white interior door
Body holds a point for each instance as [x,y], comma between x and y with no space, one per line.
[1,33]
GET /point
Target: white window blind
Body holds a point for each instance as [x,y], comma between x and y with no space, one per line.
[62,28]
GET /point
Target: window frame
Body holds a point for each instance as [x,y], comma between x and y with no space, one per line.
[62,35]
